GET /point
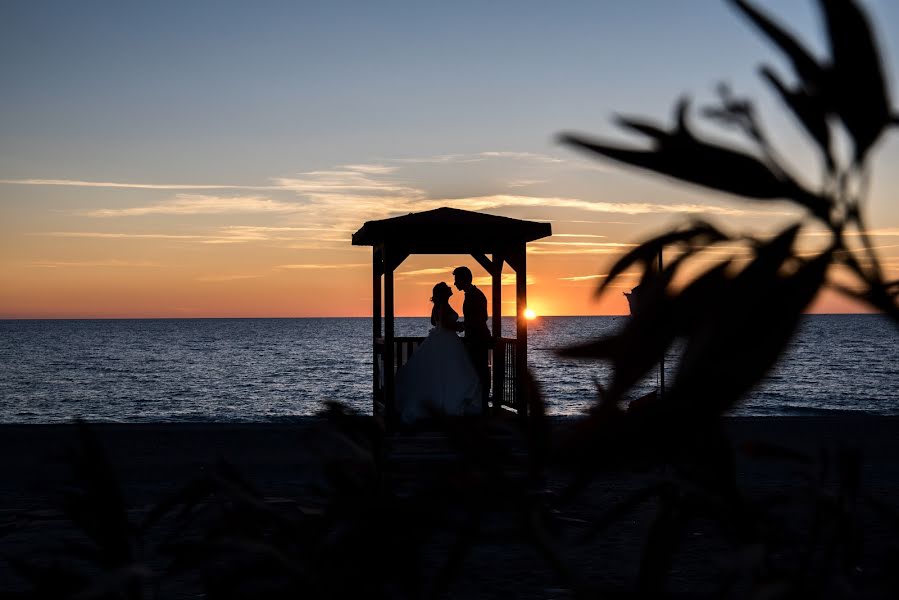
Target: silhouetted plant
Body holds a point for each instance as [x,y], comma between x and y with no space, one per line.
[735,321]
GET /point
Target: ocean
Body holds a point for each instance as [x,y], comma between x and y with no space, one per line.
[265,370]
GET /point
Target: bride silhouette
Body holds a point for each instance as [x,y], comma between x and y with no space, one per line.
[439,378]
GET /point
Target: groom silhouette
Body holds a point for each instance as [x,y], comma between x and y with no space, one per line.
[477,335]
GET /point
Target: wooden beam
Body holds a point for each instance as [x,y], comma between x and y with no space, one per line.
[485,262]
[516,259]
[397,256]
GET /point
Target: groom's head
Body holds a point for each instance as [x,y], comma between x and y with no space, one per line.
[462,278]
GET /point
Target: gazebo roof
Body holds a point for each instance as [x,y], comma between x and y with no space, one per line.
[450,231]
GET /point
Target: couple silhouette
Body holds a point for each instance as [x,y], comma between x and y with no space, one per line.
[446,375]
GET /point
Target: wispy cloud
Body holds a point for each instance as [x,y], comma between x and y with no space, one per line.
[448,271]
[583,277]
[599,276]
[575,250]
[506,279]
[628,208]
[239,234]
[107,235]
[578,235]
[346,181]
[323,266]
[195,204]
[374,169]
[882,232]
[225,278]
[592,222]
[136,186]
[111,263]
[586,244]
[478,157]
[519,183]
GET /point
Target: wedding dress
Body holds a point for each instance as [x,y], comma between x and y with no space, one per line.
[439,378]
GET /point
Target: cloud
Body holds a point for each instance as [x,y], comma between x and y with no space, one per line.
[321,266]
[578,235]
[195,204]
[506,279]
[628,208]
[479,157]
[540,246]
[517,183]
[225,278]
[233,234]
[882,232]
[345,181]
[583,277]
[238,234]
[137,186]
[432,271]
[112,263]
[105,235]
[374,169]
[592,222]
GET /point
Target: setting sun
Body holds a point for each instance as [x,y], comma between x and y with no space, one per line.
[529,314]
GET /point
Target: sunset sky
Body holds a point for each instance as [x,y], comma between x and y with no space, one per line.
[212,159]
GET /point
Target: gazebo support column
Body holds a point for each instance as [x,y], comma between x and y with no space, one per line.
[495,268]
[497,331]
[389,399]
[377,270]
[521,331]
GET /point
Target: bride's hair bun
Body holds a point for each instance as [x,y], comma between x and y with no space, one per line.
[441,292]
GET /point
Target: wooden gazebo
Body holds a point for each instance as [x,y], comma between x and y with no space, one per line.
[450,231]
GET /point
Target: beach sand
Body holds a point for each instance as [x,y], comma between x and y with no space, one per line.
[283,461]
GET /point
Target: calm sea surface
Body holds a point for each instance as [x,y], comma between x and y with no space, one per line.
[232,370]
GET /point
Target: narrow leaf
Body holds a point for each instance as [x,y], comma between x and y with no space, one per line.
[808,69]
[858,84]
[808,110]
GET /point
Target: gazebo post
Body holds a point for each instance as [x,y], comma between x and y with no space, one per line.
[377,270]
[497,331]
[389,400]
[521,331]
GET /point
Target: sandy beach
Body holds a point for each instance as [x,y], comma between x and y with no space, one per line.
[155,460]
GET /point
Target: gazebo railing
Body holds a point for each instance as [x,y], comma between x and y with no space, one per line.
[505,380]
[501,362]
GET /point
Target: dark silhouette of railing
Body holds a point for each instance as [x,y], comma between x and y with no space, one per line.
[503,353]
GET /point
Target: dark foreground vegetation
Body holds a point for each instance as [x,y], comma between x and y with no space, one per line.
[377,522]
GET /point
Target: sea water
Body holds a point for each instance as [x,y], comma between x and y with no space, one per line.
[258,370]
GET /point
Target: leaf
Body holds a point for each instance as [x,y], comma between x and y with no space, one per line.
[808,69]
[680,155]
[646,253]
[857,83]
[737,343]
[808,109]
[644,339]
